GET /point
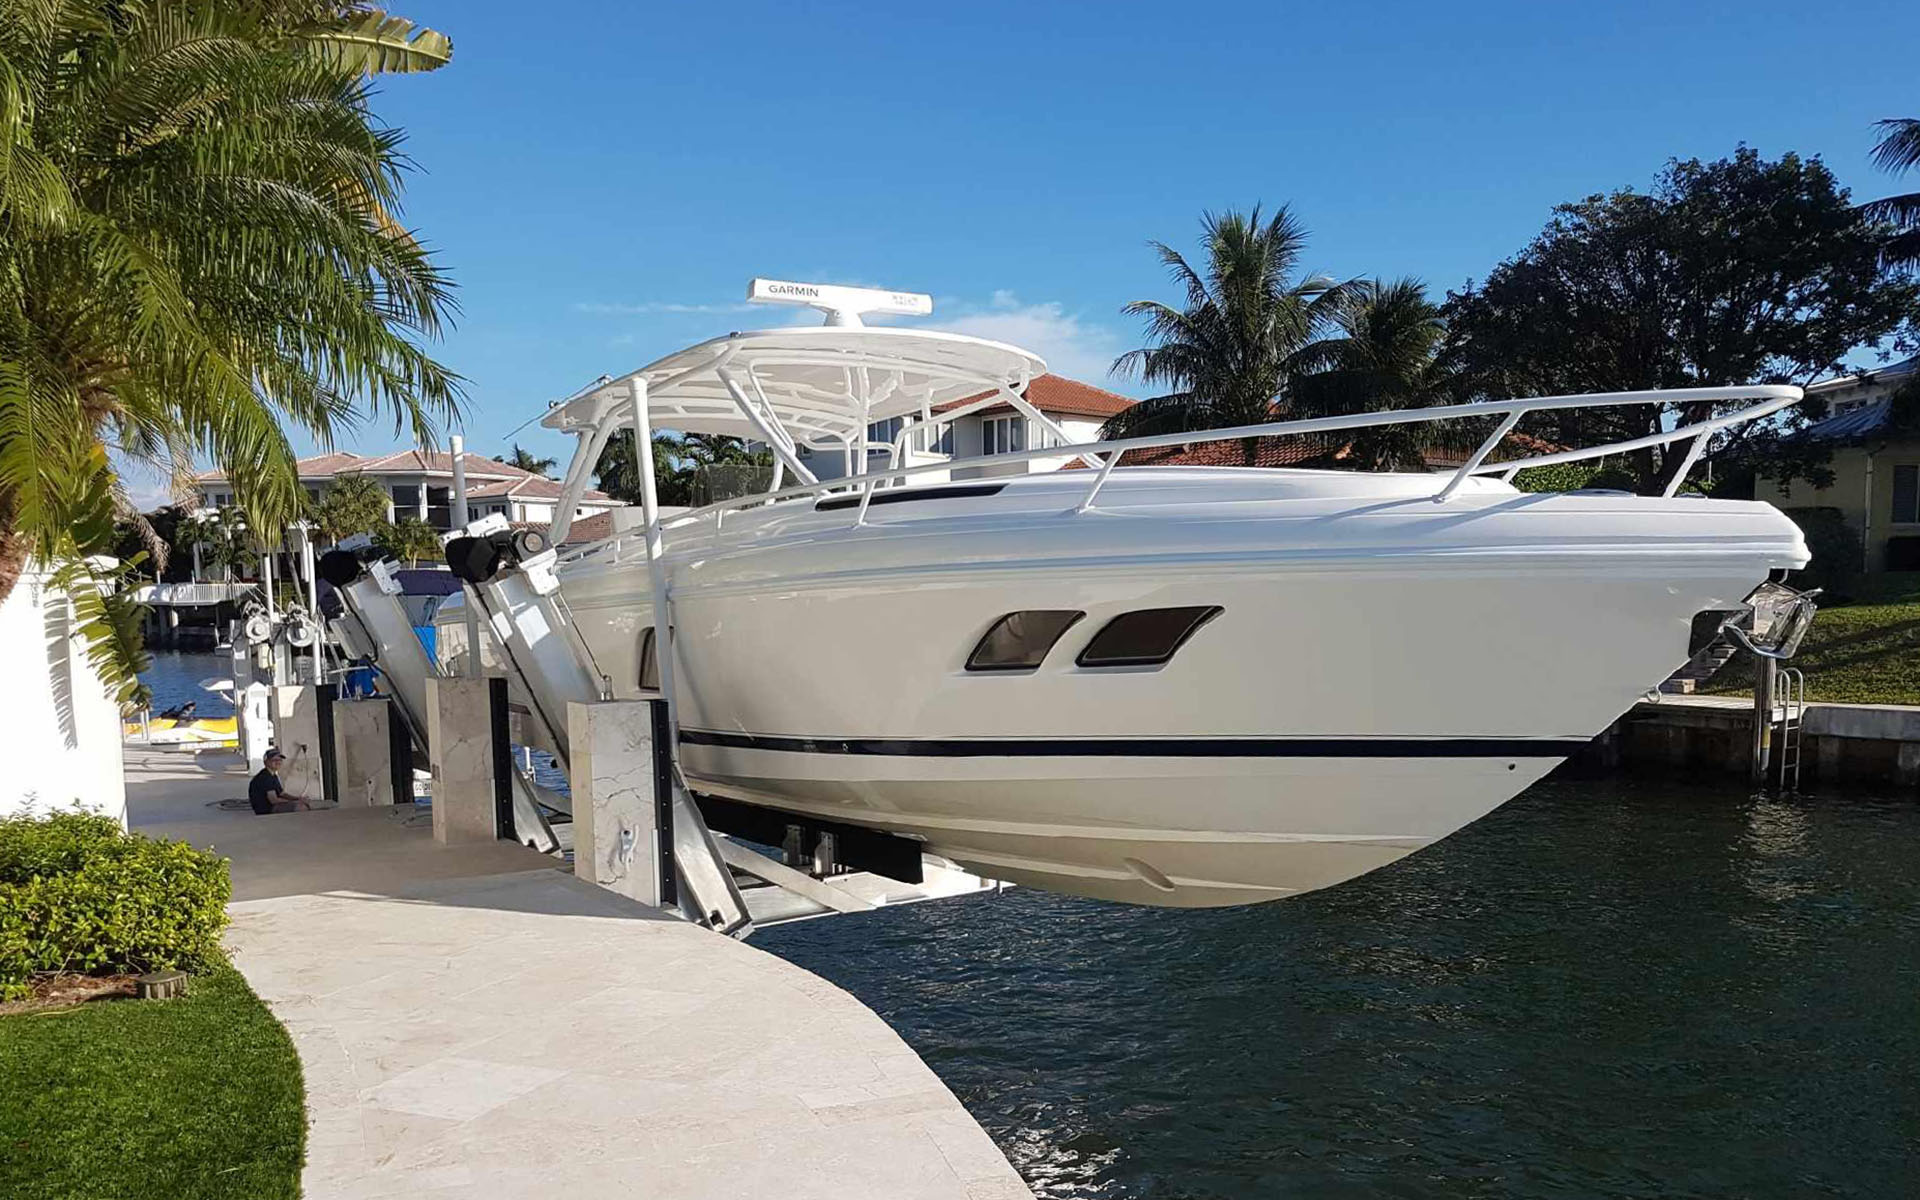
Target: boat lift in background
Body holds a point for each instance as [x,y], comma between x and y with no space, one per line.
[712,880]
[518,626]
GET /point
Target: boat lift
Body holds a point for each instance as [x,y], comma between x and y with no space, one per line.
[508,576]
[718,882]
[375,626]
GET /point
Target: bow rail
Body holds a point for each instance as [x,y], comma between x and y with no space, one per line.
[1771,398]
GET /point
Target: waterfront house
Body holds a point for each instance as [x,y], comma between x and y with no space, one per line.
[1079,409]
[1875,464]
[420,484]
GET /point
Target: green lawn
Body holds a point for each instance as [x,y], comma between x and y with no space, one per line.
[1862,653]
[194,1098]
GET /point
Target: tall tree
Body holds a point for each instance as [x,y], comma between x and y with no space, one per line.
[353,503]
[199,245]
[1227,353]
[1738,271]
[1897,153]
[618,472]
[1381,357]
[679,461]
[409,538]
[526,461]
[165,526]
[223,537]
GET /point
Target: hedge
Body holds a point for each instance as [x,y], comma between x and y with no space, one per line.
[1836,553]
[79,894]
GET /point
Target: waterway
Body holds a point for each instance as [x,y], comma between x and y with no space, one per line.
[1626,987]
[1636,987]
[176,675]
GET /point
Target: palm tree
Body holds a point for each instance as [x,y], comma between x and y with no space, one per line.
[353,503]
[223,539]
[1897,153]
[618,473]
[200,247]
[409,538]
[525,460]
[1228,354]
[1383,357]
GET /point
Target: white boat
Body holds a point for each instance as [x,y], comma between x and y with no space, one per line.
[1172,686]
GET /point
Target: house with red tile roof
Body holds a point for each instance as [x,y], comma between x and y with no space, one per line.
[1077,409]
[420,484]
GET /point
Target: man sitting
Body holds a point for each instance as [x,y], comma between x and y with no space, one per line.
[267,794]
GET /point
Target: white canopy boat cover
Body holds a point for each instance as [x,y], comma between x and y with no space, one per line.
[824,384]
[814,386]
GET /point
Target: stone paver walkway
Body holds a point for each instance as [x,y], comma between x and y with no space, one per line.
[471,1031]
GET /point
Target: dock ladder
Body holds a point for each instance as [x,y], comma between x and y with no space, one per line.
[1792,684]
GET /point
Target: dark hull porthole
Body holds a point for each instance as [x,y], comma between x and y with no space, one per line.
[1146,637]
[1019,641]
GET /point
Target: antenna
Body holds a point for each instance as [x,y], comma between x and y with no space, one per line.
[843,305]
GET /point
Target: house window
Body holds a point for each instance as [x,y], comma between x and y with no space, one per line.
[1003,435]
[440,507]
[497,510]
[313,495]
[1906,494]
[940,444]
[406,496]
[883,434]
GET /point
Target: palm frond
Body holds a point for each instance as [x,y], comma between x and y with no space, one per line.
[1902,210]
[202,249]
[1898,149]
[379,44]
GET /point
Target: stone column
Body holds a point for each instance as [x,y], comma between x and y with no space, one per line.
[616,827]
[296,730]
[363,750]
[466,729]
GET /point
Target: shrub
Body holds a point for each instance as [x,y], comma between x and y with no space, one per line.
[1574,476]
[79,894]
[1836,552]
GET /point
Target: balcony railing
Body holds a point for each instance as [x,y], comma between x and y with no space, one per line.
[189,595]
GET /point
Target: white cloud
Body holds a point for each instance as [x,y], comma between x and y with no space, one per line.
[1072,346]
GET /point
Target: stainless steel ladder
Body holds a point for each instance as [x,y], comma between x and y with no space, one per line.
[1792,685]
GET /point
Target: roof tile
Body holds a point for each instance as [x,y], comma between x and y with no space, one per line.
[1057,394]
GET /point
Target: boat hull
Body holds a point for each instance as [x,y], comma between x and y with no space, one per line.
[1382,672]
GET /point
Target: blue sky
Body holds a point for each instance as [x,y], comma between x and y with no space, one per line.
[603,178]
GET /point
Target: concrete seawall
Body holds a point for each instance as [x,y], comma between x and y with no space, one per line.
[1876,744]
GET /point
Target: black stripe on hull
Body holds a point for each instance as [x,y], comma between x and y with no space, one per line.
[1352,747]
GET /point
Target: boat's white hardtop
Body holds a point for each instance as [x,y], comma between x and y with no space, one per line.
[823,383]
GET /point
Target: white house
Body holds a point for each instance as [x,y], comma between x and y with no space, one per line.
[63,726]
[1080,409]
[420,484]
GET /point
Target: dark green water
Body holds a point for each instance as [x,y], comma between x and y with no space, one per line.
[1620,988]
